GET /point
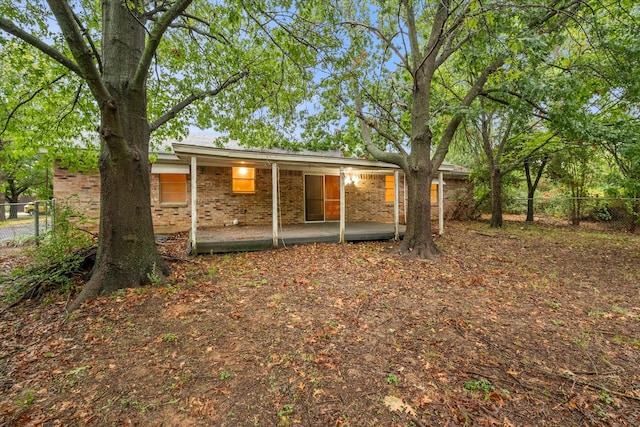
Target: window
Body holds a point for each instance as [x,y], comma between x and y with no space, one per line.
[389,189]
[173,188]
[244,180]
[434,194]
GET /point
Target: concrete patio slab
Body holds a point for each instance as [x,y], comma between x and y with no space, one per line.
[245,238]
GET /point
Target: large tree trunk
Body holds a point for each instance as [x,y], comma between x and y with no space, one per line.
[127,255]
[496,198]
[418,238]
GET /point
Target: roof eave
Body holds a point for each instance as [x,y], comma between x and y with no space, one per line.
[292,159]
[289,158]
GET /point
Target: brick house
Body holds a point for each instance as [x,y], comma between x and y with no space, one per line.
[199,185]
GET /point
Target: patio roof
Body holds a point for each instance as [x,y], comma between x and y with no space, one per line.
[210,153]
[235,155]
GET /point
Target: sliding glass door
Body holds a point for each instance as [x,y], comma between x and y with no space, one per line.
[322,197]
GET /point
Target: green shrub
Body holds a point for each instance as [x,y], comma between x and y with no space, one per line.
[57,258]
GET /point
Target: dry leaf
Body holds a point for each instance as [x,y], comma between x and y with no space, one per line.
[396,404]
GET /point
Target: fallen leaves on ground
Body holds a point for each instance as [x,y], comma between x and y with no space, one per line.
[522,326]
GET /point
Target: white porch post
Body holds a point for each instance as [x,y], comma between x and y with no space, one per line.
[194,203]
[440,203]
[405,198]
[396,205]
[342,205]
[274,202]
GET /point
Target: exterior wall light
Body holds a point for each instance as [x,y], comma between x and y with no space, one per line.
[351,179]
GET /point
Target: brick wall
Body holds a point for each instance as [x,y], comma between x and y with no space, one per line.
[79,190]
[169,217]
[82,192]
[291,204]
[217,205]
[365,201]
[458,198]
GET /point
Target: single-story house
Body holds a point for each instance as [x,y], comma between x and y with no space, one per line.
[207,189]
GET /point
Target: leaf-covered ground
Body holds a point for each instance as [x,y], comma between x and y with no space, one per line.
[524,326]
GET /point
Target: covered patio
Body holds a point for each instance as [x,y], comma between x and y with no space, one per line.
[244,238]
[248,199]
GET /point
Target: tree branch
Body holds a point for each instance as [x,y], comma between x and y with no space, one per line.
[75,102]
[86,34]
[513,166]
[382,37]
[83,55]
[449,49]
[155,35]
[386,135]
[25,101]
[389,116]
[414,44]
[435,37]
[474,91]
[485,132]
[52,53]
[220,38]
[162,7]
[540,170]
[262,26]
[503,141]
[395,158]
[541,112]
[193,98]
[285,28]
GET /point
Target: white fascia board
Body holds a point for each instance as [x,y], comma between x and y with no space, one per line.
[170,168]
[286,158]
[168,162]
[452,170]
[219,156]
[165,156]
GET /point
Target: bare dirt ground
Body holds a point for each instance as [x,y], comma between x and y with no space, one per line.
[523,326]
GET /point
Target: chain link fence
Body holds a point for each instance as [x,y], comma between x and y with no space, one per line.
[615,214]
[22,222]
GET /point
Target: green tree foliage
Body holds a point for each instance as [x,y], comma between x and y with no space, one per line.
[571,90]
[411,71]
[42,106]
[130,69]
[576,168]
[603,110]
[507,140]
